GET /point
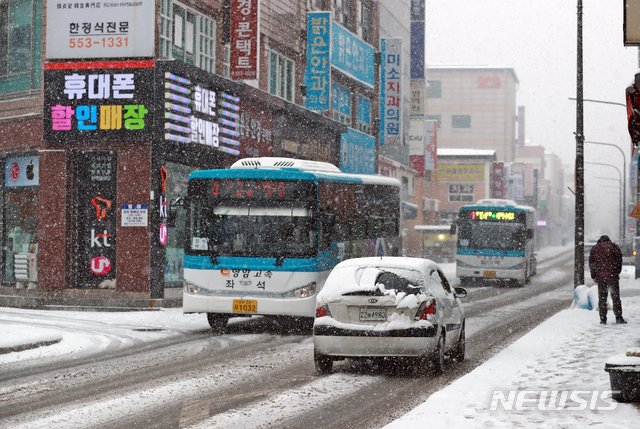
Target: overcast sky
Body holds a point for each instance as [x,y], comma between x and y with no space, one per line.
[538,40]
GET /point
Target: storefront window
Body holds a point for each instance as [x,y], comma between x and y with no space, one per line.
[176,187]
[20,219]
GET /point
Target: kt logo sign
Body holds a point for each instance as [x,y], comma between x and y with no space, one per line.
[100,266]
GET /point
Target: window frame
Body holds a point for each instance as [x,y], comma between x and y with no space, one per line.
[284,67]
[204,35]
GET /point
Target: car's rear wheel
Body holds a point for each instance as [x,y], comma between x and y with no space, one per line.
[438,356]
[324,364]
[218,322]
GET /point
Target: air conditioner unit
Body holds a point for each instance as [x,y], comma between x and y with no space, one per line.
[431,204]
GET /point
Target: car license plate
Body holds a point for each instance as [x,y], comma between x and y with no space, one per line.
[245,306]
[489,274]
[373,314]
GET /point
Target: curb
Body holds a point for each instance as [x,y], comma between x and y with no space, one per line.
[29,346]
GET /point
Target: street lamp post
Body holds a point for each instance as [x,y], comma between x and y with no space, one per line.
[578,271]
[624,183]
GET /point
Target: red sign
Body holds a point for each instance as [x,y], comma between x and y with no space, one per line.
[636,211]
[100,266]
[15,171]
[244,39]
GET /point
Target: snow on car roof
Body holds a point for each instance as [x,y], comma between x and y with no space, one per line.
[359,274]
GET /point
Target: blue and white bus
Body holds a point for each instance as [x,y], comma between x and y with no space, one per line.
[495,242]
[264,234]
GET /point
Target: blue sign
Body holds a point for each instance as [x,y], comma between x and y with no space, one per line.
[341,99]
[317,76]
[390,91]
[20,171]
[364,110]
[351,55]
[357,152]
[417,49]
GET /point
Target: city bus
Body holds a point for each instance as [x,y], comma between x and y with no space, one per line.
[264,234]
[495,242]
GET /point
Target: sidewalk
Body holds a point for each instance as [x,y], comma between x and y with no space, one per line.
[566,353]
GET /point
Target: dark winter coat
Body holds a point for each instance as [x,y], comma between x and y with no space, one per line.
[605,261]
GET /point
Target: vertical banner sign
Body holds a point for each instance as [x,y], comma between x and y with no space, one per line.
[197,112]
[416,48]
[317,76]
[431,148]
[417,145]
[244,39]
[162,204]
[390,91]
[96,220]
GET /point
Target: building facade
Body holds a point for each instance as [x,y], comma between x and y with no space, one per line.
[475,108]
[96,149]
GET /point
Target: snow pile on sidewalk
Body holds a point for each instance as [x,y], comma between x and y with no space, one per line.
[557,368]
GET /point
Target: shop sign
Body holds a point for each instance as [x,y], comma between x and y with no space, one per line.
[256,132]
[416,42]
[352,55]
[431,147]
[357,152]
[244,39]
[134,215]
[460,172]
[418,96]
[197,112]
[105,104]
[100,29]
[20,171]
[390,91]
[317,77]
[162,205]
[96,218]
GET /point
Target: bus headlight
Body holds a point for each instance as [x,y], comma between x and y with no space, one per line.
[302,292]
[192,289]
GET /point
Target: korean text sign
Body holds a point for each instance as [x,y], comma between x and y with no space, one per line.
[100,29]
[352,56]
[317,76]
[98,104]
[357,152]
[244,39]
[390,91]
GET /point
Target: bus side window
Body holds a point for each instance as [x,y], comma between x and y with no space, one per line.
[327,227]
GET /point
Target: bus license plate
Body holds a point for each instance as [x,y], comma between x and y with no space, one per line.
[245,306]
[373,314]
[490,274]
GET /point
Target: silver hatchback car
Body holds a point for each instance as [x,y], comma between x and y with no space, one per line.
[388,306]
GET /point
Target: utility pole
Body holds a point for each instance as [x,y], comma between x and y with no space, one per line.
[578,274]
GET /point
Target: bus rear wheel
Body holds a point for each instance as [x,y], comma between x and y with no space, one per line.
[218,322]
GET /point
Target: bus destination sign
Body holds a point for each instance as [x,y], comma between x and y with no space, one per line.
[491,215]
[261,189]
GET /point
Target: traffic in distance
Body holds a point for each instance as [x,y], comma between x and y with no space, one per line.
[495,242]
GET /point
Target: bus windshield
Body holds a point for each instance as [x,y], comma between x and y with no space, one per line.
[258,221]
[491,235]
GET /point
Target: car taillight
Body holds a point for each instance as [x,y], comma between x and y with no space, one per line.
[427,310]
[322,311]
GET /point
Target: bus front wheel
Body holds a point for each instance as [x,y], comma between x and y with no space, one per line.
[218,322]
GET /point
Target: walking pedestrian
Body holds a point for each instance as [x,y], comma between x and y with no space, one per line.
[605,263]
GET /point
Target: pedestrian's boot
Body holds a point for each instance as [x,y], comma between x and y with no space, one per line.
[603,321]
[620,321]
